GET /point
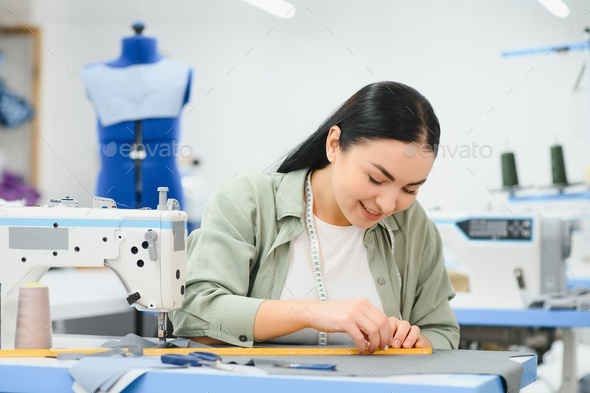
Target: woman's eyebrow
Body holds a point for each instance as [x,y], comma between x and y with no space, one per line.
[417,183]
[384,171]
[392,178]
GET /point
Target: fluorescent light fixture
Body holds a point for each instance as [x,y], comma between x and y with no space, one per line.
[279,8]
[556,7]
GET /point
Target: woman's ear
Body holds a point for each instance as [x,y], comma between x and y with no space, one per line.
[333,143]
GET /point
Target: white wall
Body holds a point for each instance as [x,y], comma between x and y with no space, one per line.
[262,84]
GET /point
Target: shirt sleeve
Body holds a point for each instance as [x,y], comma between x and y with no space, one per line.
[220,258]
[432,311]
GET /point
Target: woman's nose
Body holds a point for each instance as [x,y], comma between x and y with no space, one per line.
[387,200]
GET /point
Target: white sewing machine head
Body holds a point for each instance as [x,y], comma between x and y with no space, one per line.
[572,205]
[145,248]
[509,260]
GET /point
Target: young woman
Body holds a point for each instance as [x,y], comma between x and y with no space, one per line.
[333,248]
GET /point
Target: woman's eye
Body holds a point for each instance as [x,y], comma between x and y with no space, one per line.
[375,181]
[410,191]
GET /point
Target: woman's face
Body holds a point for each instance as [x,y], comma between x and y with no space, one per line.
[376,178]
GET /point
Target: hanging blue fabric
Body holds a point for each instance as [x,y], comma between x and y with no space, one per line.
[14,111]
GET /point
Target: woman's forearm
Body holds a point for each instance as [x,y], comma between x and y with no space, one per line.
[276,318]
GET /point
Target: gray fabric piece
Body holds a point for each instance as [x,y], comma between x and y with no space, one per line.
[100,373]
[439,362]
[134,345]
[101,370]
[78,356]
[133,341]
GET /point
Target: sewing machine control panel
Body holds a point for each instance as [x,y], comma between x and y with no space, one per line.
[514,229]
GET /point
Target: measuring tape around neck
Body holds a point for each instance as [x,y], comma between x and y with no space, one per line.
[314,252]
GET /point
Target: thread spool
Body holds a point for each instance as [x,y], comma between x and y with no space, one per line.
[33,320]
[558,166]
[509,174]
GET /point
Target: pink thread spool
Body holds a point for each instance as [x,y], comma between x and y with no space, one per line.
[33,319]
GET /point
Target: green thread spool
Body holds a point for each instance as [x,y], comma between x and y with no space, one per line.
[558,166]
[509,175]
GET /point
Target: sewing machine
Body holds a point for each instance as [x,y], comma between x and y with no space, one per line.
[511,261]
[572,206]
[145,248]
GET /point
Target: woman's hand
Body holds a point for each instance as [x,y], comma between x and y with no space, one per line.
[406,335]
[367,325]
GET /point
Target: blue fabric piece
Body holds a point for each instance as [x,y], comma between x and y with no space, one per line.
[14,111]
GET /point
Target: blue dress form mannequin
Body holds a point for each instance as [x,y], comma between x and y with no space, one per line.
[138,99]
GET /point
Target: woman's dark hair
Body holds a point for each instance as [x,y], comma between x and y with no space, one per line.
[381,110]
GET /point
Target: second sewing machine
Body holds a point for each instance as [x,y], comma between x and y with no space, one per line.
[510,261]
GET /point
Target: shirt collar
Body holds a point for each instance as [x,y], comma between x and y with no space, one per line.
[289,199]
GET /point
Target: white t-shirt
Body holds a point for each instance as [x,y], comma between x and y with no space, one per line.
[346,275]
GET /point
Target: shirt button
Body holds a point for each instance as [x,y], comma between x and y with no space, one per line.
[243,338]
[381,281]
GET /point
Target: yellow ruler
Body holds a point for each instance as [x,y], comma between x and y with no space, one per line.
[222,351]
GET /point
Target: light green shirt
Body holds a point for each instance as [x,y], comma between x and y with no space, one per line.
[240,255]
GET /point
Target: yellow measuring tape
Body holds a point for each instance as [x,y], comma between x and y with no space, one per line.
[222,351]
